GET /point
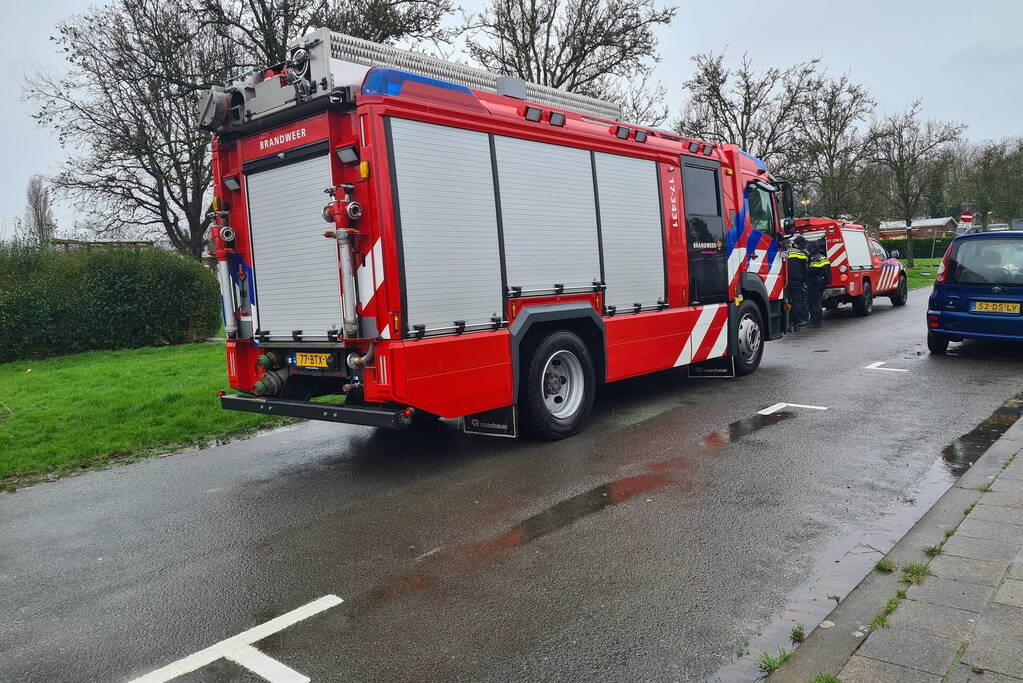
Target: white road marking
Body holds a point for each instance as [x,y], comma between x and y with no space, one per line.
[428,553]
[238,649]
[878,364]
[778,406]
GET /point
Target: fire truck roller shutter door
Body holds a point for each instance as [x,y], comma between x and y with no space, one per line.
[448,221]
[548,214]
[630,225]
[296,270]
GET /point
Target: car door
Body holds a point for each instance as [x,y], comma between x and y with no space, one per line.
[886,268]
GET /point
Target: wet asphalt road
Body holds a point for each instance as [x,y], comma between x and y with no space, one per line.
[630,552]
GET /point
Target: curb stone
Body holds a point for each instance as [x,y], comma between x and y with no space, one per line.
[973,582]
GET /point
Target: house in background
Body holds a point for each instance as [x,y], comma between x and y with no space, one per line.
[922,227]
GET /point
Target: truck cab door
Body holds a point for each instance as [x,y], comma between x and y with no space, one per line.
[705,231]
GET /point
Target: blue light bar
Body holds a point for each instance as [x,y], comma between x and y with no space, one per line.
[385,81]
[760,164]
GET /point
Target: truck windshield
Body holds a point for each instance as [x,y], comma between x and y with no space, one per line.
[988,262]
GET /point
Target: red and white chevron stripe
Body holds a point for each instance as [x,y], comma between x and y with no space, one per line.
[837,255]
[708,338]
[889,277]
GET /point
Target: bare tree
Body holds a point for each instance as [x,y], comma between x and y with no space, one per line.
[911,151]
[834,139]
[38,225]
[262,29]
[126,112]
[759,111]
[601,48]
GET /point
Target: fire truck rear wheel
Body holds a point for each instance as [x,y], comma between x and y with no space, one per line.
[901,294]
[863,304]
[558,386]
[749,339]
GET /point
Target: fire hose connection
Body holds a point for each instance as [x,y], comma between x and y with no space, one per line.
[269,361]
[227,233]
[271,383]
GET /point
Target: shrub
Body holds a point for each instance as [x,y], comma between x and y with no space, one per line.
[54,303]
[923,247]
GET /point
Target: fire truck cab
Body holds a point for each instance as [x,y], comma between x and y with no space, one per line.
[861,269]
[420,239]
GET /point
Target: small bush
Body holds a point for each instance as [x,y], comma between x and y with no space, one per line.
[54,303]
[922,246]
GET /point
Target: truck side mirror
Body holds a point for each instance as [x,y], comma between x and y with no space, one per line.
[788,224]
[788,204]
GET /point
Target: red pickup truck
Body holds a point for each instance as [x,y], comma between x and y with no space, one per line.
[861,268]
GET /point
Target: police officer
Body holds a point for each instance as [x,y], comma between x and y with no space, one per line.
[795,291]
[818,280]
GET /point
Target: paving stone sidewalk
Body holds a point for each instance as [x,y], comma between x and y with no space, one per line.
[964,622]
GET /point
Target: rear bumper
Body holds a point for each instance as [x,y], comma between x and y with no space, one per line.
[391,417]
[959,325]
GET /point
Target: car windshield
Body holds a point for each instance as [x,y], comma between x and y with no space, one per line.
[988,262]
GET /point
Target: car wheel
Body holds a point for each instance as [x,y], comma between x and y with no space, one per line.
[937,343]
[864,303]
[559,386]
[901,295]
[750,336]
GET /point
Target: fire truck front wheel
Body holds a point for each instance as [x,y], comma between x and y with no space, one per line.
[558,387]
[749,339]
[901,294]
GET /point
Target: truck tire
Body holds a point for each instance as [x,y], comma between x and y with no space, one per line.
[558,386]
[863,304]
[901,294]
[937,344]
[749,337]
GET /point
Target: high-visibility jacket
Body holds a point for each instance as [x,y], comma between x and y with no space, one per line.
[820,271]
[798,266]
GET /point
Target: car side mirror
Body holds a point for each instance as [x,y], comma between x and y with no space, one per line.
[896,254]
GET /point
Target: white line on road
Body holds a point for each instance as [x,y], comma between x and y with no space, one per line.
[427,554]
[778,406]
[238,649]
[878,364]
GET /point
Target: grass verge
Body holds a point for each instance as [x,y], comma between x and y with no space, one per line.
[922,273]
[84,410]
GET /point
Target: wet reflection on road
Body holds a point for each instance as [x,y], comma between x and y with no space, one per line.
[967,449]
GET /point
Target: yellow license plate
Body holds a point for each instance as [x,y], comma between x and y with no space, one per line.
[311,360]
[995,307]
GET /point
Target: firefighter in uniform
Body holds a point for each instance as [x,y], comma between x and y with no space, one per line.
[795,291]
[818,280]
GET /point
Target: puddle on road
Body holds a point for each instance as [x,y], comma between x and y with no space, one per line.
[743,428]
[967,449]
[850,557]
[596,499]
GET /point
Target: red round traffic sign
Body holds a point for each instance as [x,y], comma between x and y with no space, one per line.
[966,217]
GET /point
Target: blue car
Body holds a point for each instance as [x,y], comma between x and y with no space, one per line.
[978,291]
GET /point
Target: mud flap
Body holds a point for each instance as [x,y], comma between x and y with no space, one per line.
[715,367]
[496,422]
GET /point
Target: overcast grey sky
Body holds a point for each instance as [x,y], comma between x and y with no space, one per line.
[964,59]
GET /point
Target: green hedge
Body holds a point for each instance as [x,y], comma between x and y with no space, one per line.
[921,246]
[53,303]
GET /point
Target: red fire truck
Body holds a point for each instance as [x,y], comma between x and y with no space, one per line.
[493,249]
[861,268]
